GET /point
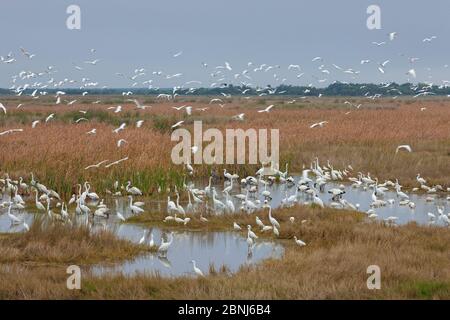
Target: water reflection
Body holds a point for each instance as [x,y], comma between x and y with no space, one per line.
[216,249]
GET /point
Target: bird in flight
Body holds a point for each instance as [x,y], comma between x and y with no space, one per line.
[392,36]
[266,109]
[96,165]
[138,104]
[318,124]
[26,53]
[121,142]
[406,147]
[429,39]
[116,162]
[3,108]
[178,54]
[412,73]
[93,62]
[239,117]
[120,128]
[179,123]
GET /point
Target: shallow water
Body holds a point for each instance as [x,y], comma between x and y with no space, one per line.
[227,249]
[216,249]
[356,196]
[206,248]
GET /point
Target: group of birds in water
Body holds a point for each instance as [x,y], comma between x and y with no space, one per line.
[254,197]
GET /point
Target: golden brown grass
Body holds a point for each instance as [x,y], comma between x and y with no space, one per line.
[340,246]
[57,152]
[55,243]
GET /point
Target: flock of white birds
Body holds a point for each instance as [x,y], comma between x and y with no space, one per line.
[32,85]
[252,195]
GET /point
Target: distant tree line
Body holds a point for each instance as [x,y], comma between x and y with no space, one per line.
[335,89]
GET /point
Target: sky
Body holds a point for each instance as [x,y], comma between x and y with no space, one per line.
[129,35]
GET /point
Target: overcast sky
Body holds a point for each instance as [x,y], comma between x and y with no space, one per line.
[143,33]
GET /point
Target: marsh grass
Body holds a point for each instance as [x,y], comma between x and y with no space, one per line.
[58,152]
[340,246]
[56,243]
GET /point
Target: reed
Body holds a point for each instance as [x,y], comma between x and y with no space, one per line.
[58,151]
[339,247]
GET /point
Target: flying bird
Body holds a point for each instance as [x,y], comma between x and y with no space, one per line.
[318,124]
[179,123]
[178,54]
[392,35]
[412,73]
[215,100]
[95,165]
[406,147]
[50,117]
[429,39]
[121,142]
[138,104]
[120,128]
[116,162]
[93,62]
[266,109]
[239,117]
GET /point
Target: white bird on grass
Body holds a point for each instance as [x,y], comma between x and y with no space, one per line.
[299,242]
[272,220]
[133,190]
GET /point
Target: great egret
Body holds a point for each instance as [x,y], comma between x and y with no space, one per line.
[250,233]
[134,209]
[165,245]
[196,269]
[272,220]
[133,190]
[299,242]
[142,240]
